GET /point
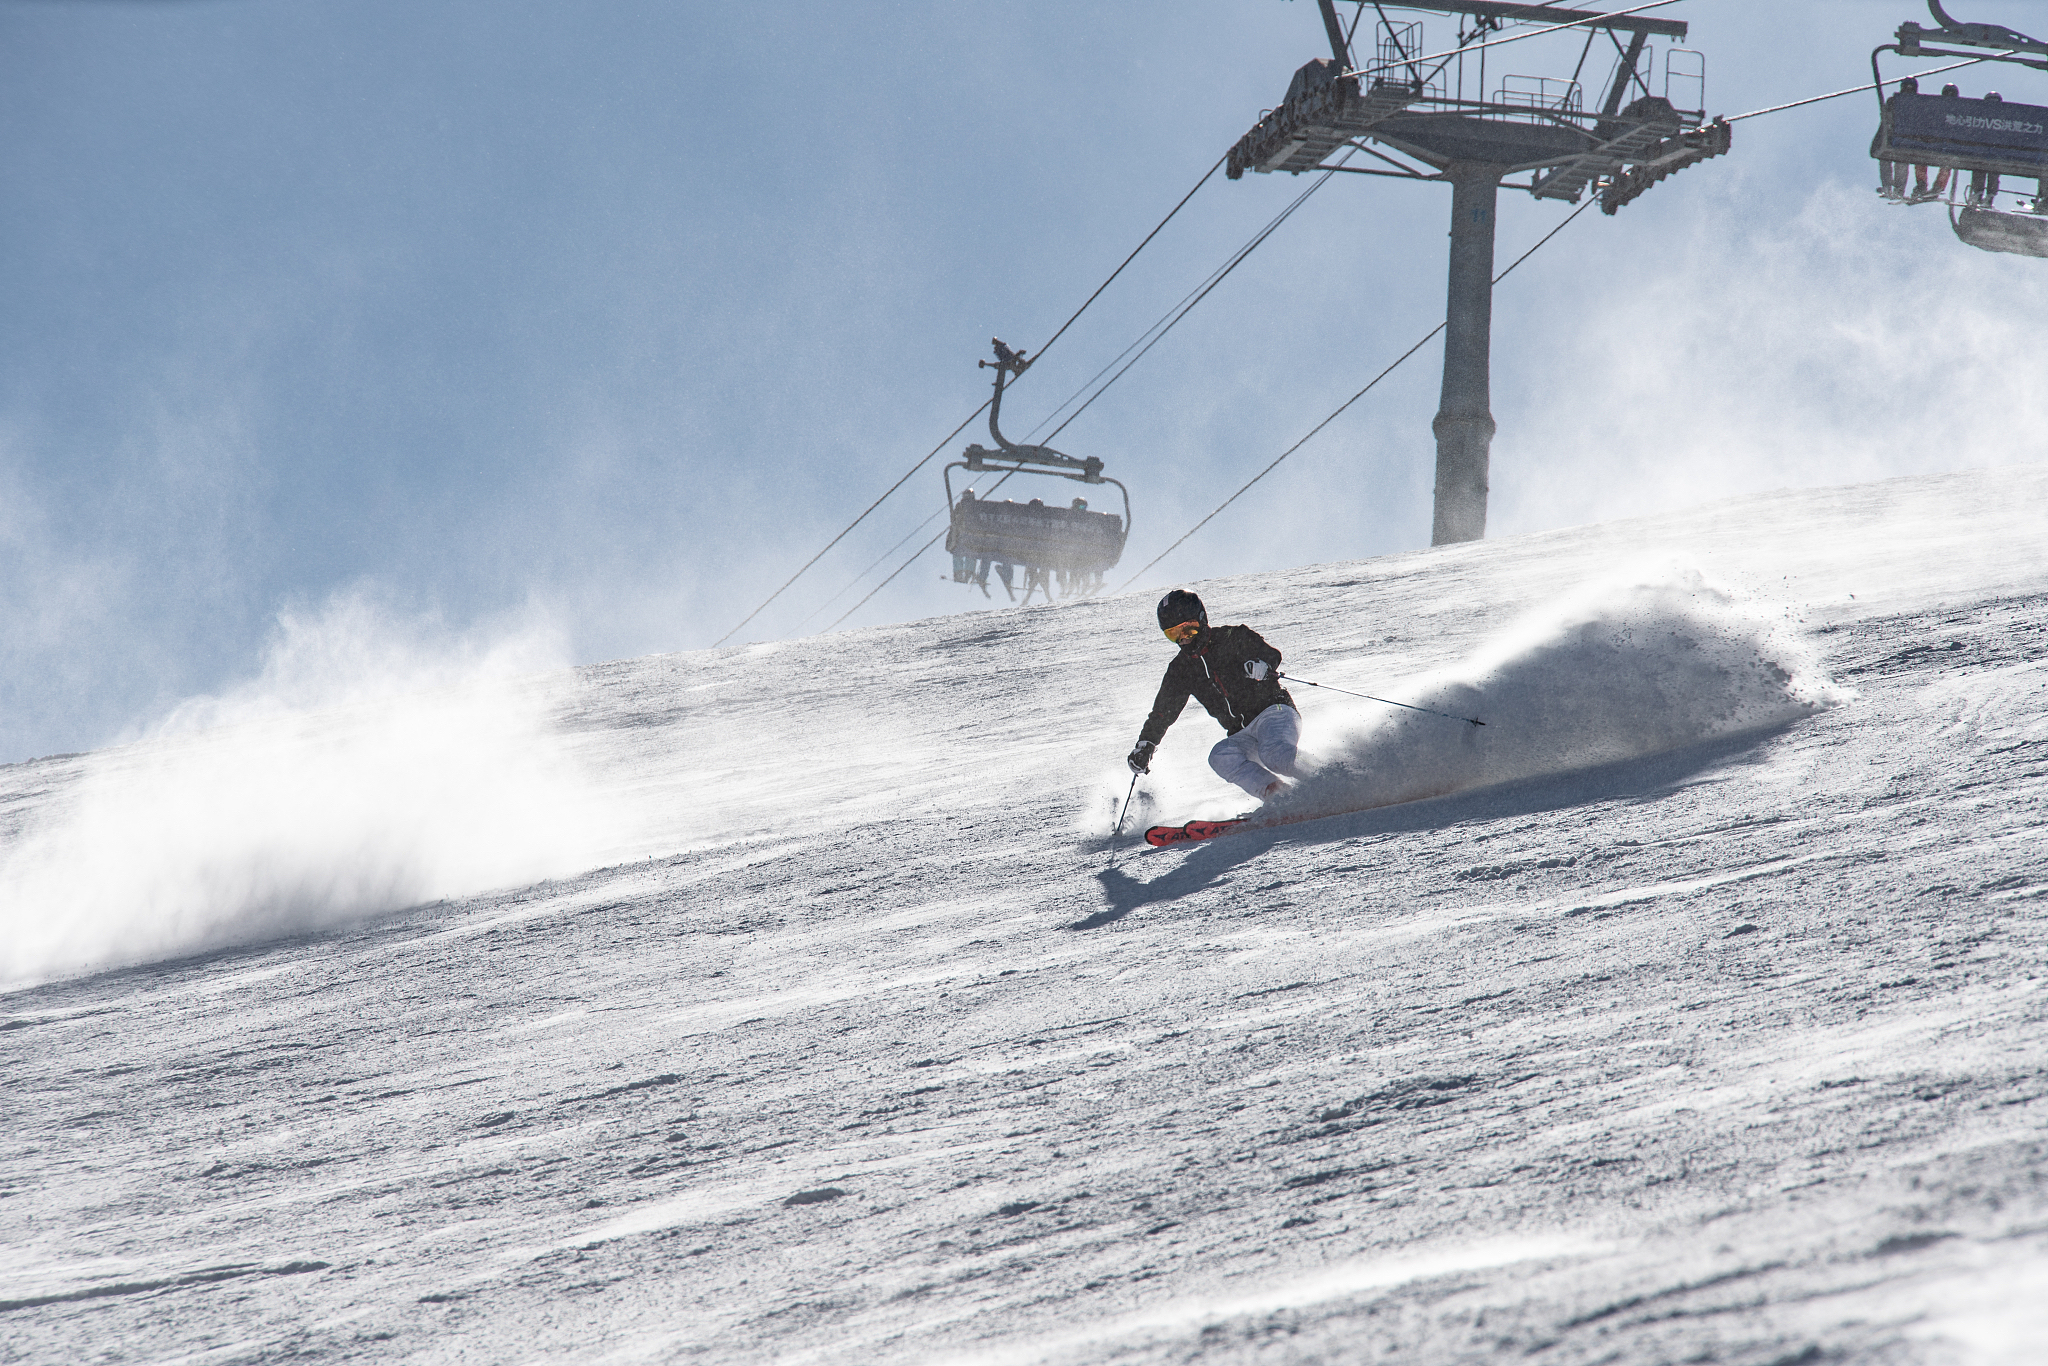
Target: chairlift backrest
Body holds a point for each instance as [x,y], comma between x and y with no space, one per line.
[1993,135]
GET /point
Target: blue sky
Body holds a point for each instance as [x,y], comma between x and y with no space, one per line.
[611,315]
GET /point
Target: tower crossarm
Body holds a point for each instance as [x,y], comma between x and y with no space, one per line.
[1643,124]
[1324,109]
[1667,158]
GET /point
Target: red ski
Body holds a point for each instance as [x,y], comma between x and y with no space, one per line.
[1159,836]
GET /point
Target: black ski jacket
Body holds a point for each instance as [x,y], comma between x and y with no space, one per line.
[1210,669]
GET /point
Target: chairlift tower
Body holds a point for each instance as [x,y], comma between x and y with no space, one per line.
[1433,107]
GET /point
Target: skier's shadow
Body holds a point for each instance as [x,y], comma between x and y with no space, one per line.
[1197,870]
[1630,780]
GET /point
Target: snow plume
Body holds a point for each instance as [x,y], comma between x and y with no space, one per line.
[1643,662]
[370,767]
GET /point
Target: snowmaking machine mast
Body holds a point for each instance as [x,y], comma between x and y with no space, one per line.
[1409,105]
[1928,139]
[1070,545]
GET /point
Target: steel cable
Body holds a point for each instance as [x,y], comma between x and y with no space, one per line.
[1175,314]
[1172,316]
[977,412]
[1216,280]
[1853,90]
[909,562]
[1426,339]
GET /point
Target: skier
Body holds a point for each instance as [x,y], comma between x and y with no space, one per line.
[1236,676]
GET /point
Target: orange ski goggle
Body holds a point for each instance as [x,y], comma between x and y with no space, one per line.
[1183,633]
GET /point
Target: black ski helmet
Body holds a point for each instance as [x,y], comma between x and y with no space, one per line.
[1179,606]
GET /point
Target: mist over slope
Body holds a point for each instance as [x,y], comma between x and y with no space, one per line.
[1702,1020]
[359,773]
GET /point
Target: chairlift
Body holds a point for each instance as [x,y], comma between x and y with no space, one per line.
[1071,546]
[1925,142]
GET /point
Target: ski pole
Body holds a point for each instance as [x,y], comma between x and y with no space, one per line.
[1120,819]
[1473,720]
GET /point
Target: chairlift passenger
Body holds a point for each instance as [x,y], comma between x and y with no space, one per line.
[1037,578]
[1891,175]
[1921,192]
[964,566]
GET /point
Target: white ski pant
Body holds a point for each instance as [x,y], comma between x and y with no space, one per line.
[1260,752]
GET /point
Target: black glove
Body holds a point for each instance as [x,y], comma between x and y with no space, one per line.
[1140,759]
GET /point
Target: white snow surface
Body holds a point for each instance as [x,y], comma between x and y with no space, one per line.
[781,1003]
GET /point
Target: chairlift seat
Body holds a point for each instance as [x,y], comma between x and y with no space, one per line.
[1071,540]
[1998,136]
[2022,234]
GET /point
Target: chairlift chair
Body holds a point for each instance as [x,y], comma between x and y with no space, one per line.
[1071,546]
[1947,134]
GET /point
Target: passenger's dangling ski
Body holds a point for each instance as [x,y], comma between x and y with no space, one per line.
[1159,836]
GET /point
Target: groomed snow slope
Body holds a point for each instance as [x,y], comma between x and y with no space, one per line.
[1729,1052]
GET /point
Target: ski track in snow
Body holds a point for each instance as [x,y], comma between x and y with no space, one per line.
[1730,1052]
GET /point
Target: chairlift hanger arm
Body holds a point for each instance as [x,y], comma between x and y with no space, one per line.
[1970,35]
[1545,14]
[2009,57]
[1918,48]
[1006,362]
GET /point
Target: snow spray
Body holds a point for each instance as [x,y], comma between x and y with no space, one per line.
[364,772]
[1649,660]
